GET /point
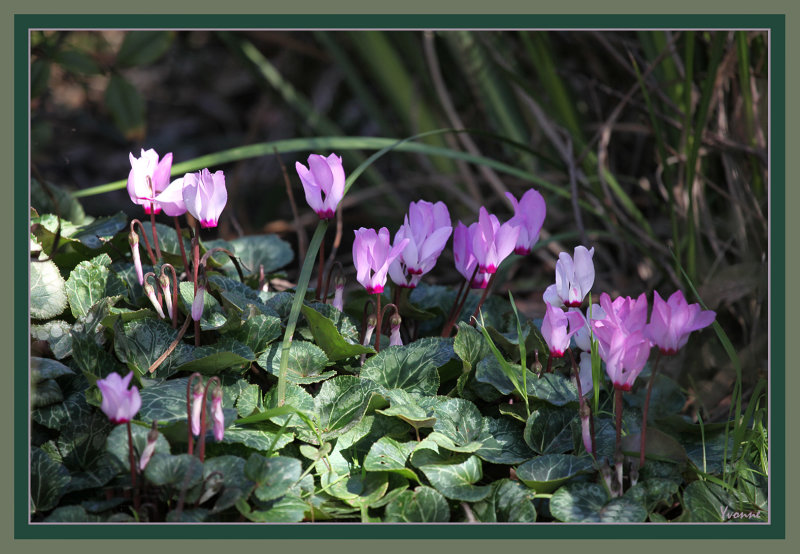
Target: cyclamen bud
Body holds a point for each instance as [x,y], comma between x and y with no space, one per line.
[133,240]
[217,415]
[197,407]
[338,294]
[152,437]
[151,294]
[394,336]
[197,304]
[372,322]
[163,280]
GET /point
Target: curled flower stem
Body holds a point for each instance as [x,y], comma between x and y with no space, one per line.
[646,408]
[338,266]
[234,259]
[152,257]
[171,347]
[368,304]
[180,241]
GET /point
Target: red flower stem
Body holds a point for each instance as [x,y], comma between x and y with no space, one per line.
[549,363]
[581,402]
[378,324]
[618,416]
[483,298]
[455,311]
[146,241]
[646,409]
[133,467]
[189,409]
[180,241]
[155,233]
[320,270]
[202,441]
[195,268]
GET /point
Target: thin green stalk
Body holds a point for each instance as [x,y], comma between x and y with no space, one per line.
[522,354]
[299,295]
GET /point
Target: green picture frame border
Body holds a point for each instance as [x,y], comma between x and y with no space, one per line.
[775,529]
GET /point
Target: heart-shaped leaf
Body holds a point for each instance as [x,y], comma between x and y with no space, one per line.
[58,337]
[452,475]
[215,358]
[388,454]
[254,251]
[181,471]
[48,290]
[544,474]
[411,367]
[341,403]
[588,502]
[258,331]
[143,341]
[306,362]
[90,282]
[459,426]
[502,442]
[273,476]
[45,368]
[423,504]
[548,430]
[510,501]
[48,481]
[415,409]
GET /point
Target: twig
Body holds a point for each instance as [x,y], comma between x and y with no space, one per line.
[172,346]
[302,238]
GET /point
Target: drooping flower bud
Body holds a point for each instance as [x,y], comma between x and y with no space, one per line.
[151,294]
[338,293]
[152,437]
[197,407]
[197,303]
[394,336]
[163,280]
[133,240]
[216,413]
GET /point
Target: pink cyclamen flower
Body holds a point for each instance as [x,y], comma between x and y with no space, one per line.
[372,255]
[217,415]
[492,242]
[198,394]
[574,278]
[529,215]
[464,259]
[322,175]
[620,335]
[120,403]
[428,227]
[672,322]
[205,195]
[147,178]
[582,337]
[554,329]
[171,198]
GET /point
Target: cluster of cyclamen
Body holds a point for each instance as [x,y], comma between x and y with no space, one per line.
[478,249]
[620,327]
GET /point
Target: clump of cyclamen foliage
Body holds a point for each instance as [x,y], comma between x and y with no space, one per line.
[615,336]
